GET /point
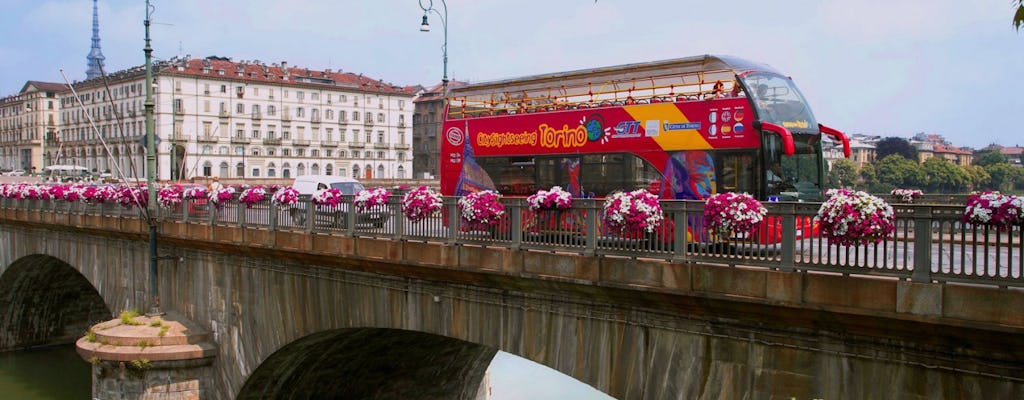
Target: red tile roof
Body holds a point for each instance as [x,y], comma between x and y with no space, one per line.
[253,72]
[45,86]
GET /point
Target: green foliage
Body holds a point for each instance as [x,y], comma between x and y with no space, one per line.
[1004,176]
[94,360]
[90,336]
[895,145]
[127,317]
[163,330]
[156,323]
[895,171]
[137,368]
[977,177]
[985,158]
[843,174]
[868,176]
[1018,17]
[941,176]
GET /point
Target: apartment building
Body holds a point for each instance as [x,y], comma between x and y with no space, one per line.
[245,119]
[27,120]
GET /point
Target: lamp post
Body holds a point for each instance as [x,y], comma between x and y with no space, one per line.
[425,27]
[154,289]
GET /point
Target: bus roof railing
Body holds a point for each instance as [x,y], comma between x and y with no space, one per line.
[670,80]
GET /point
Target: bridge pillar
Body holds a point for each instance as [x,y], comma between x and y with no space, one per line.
[143,357]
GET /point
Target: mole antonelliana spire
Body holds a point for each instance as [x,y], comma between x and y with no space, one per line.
[95,57]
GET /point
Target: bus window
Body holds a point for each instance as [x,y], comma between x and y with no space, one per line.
[605,173]
[736,172]
[511,175]
[796,177]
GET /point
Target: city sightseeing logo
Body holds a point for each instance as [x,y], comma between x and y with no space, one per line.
[454,136]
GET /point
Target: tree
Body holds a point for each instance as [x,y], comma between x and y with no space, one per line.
[868,177]
[989,157]
[843,174]
[1004,176]
[896,171]
[941,176]
[1018,17]
[977,177]
[895,145]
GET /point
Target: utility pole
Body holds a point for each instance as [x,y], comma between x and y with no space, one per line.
[154,289]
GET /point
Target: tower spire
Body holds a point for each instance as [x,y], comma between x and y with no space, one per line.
[94,61]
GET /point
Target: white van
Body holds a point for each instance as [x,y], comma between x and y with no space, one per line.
[309,184]
[338,218]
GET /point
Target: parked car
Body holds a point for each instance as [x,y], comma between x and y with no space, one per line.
[309,184]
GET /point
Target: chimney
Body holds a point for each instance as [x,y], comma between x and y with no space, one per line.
[284,65]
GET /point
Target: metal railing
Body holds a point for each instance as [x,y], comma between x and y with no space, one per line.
[931,243]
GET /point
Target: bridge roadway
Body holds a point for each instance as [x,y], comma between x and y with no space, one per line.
[290,310]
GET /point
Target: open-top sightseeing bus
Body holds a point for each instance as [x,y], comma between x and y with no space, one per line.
[683,129]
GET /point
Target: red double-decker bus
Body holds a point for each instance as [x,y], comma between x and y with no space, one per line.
[684,129]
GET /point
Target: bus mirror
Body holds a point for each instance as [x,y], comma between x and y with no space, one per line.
[788,148]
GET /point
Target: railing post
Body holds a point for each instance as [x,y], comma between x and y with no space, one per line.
[788,211]
[453,218]
[186,205]
[273,216]
[240,212]
[679,236]
[394,209]
[351,214]
[590,215]
[922,244]
[310,214]
[517,223]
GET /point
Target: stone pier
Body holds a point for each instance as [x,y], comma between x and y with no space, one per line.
[162,357]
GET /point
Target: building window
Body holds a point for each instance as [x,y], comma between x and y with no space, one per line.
[240,108]
[314,153]
[380,155]
[380,117]
[286,152]
[300,112]
[271,110]
[207,169]
[380,137]
[255,133]
[300,152]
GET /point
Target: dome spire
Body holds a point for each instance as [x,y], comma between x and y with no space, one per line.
[94,61]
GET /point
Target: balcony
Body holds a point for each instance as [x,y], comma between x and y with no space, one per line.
[315,120]
[177,137]
[206,139]
[402,146]
[300,142]
[223,114]
[272,141]
[368,122]
[179,110]
[329,143]
[380,145]
[287,117]
[358,145]
[239,140]
[342,121]
[257,115]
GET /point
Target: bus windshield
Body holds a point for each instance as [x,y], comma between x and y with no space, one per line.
[796,177]
[778,101]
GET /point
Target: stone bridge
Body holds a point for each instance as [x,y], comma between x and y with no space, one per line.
[313,315]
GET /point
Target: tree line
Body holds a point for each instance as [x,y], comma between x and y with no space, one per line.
[896,166]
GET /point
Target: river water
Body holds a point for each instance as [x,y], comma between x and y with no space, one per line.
[50,373]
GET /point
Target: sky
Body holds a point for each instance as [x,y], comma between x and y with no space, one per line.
[884,67]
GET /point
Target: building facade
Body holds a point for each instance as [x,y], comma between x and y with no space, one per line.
[217,117]
[28,122]
[427,122]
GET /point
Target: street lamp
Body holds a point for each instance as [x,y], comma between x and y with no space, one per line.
[425,27]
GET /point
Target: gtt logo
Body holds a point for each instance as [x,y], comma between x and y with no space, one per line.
[627,129]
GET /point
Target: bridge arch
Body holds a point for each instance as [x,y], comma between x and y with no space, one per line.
[45,301]
[371,363]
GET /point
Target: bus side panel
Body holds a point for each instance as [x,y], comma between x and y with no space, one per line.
[650,130]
